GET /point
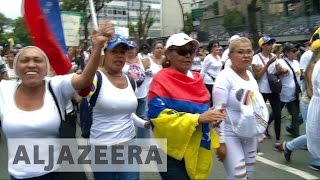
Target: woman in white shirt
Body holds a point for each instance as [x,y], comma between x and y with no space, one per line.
[263,63]
[28,109]
[113,116]
[290,85]
[313,123]
[211,65]
[135,69]
[237,153]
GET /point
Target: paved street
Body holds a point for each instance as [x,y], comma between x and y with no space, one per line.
[270,164]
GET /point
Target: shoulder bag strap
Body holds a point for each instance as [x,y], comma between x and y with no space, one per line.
[94,97]
[55,100]
[132,83]
[294,74]
[261,59]
[263,62]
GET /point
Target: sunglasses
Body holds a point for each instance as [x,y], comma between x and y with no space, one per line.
[184,51]
[294,50]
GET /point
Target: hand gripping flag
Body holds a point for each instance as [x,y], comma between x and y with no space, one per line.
[42,18]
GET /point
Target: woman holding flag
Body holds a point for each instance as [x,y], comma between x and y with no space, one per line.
[28,109]
[179,109]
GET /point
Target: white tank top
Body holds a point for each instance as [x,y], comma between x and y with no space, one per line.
[111,115]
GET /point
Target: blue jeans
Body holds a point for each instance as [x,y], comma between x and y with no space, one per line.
[294,111]
[175,170]
[116,175]
[142,113]
[301,141]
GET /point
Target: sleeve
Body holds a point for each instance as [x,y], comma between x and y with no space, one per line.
[283,64]
[255,60]
[138,122]
[315,78]
[272,68]
[220,96]
[63,89]
[205,65]
[225,55]
[304,61]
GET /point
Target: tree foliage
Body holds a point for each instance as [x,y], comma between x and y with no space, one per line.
[5,23]
[234,21]
[20,32]
[252,18]
[71,5]
[188,25]
[140,30]
[80,5]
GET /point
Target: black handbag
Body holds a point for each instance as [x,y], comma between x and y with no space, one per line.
[274,83]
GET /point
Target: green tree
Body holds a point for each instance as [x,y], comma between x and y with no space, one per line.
[140,30]
[20,32]
[234,21]
[188,24]
[5,23]
[252,18]
[80,6]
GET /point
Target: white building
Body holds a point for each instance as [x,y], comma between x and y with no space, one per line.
[172,16]
[123,11]
[168,14]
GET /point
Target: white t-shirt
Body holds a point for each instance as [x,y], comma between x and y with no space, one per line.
[303,64]
[225,55]
[226,87]
[112,123]
[316,82]
[11,73]
[263,81]
[288,84]
[211,65]
[41,123]
[140,55]
[305,59]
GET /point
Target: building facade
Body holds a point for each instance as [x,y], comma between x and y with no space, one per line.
[121,12]
[172,15]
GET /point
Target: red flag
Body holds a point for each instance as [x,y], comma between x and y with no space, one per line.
[42,33]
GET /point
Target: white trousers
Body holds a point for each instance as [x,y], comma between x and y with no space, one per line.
[240,157]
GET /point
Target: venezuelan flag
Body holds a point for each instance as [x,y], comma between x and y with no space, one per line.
[175,103]
[42,18]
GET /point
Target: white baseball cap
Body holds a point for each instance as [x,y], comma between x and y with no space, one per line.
[234,37]
[180,39]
